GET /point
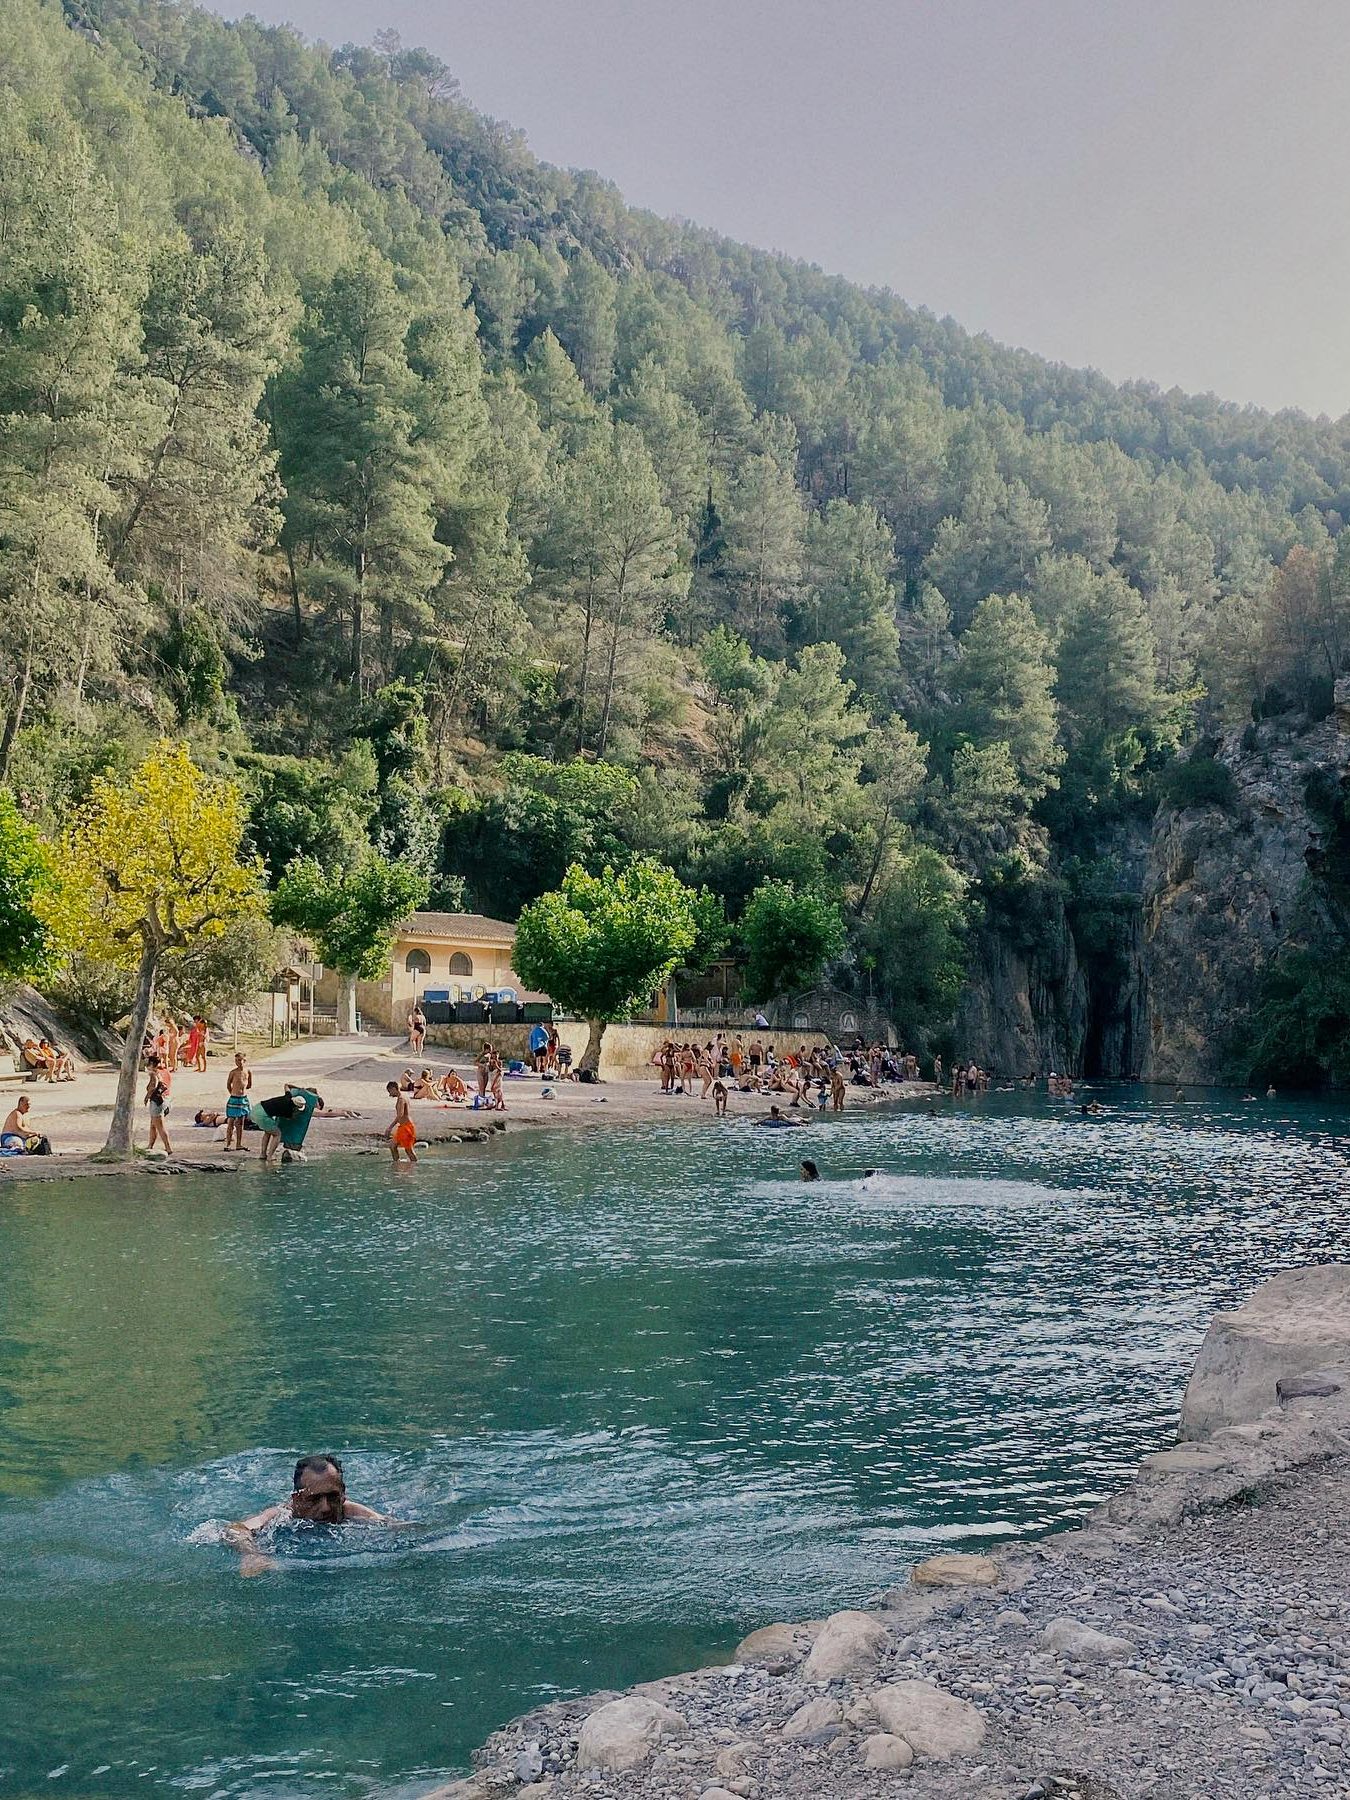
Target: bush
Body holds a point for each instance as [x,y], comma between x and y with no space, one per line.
[1199,781]
[1299,1030]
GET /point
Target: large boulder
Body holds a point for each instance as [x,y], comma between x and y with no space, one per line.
[934,1723]
[624,1733]
[849,1643]
[1084,1643]
[955,1569]
[1293,1323]
[776,1643]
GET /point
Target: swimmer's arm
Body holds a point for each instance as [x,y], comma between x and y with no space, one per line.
[357,1514]
[242,1536]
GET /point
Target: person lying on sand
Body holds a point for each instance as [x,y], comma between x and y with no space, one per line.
[318,1495]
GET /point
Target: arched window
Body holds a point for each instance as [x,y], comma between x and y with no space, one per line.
[460,964]
[417,962]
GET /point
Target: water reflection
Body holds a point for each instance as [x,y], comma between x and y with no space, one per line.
[636,1391]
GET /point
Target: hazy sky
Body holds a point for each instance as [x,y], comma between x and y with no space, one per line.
[1153,187]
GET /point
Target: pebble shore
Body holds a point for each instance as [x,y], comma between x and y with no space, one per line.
[1192,1642]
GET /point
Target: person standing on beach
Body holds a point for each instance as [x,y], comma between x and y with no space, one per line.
[237,1083]
[203,1043]
[157,1095]
[402,1134]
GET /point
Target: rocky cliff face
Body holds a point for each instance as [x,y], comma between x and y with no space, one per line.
[1024,1009]
[1225,887]
[1217,890]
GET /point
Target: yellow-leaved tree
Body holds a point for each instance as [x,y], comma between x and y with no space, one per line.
[150,863]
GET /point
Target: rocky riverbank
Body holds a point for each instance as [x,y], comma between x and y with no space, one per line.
[1193,1640]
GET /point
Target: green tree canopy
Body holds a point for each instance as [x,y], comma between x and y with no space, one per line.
[601,945]
[350,914]
[25,874]
[788,934]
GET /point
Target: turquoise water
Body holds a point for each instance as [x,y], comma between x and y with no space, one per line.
[637,1391]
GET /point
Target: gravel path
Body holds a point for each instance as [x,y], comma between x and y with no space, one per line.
[1238,1683]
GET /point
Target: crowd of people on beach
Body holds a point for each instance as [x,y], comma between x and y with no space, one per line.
[796,1079]
[817,1075]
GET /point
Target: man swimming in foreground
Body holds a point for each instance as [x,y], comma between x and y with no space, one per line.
[318,1494]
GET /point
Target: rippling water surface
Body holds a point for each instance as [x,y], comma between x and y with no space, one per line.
[633,1391]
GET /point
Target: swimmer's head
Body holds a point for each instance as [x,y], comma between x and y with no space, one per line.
[318,1491]
[809,1170]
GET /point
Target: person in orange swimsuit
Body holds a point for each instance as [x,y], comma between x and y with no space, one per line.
[402,1134]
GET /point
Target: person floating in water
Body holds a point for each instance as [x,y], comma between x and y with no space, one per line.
[777,1117]
[318,1496]
[809,1170]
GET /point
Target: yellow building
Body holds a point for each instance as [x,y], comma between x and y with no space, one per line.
[464,954]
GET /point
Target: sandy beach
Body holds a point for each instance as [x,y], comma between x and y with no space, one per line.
[350,1073]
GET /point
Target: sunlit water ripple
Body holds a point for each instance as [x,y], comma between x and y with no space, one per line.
[632,1392]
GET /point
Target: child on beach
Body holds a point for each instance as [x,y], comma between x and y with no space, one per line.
[237,1084]
[402,1134]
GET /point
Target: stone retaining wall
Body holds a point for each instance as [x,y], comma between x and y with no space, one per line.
[627,1050]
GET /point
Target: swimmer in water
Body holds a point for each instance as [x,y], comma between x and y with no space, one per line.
[777,1117]
[809,1170]
[318,1494]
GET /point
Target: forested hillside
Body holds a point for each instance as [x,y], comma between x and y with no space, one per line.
[456,508]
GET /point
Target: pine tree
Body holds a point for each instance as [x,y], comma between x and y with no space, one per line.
[359,477]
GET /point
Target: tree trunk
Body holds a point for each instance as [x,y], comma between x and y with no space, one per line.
[591,1055]
[14,722]
[588,621]
[297,616]
[119,1131]
[619,608]
[358,622]
[346,1003]
[882,837]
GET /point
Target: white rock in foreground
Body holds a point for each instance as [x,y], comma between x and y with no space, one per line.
[849,1644]
[955,1569]
[885,1751]
[774,1643]
[1293,1323]
[932,1722]
[624,1733]
[813,1717]
[1070,1637]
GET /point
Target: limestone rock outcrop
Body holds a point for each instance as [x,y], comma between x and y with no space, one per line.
[1294,1324]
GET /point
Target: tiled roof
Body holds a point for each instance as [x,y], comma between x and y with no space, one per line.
[477,928]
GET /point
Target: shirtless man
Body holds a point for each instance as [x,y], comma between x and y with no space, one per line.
[402,1134]
[18,1125]
[318,1494]
[237,1083]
